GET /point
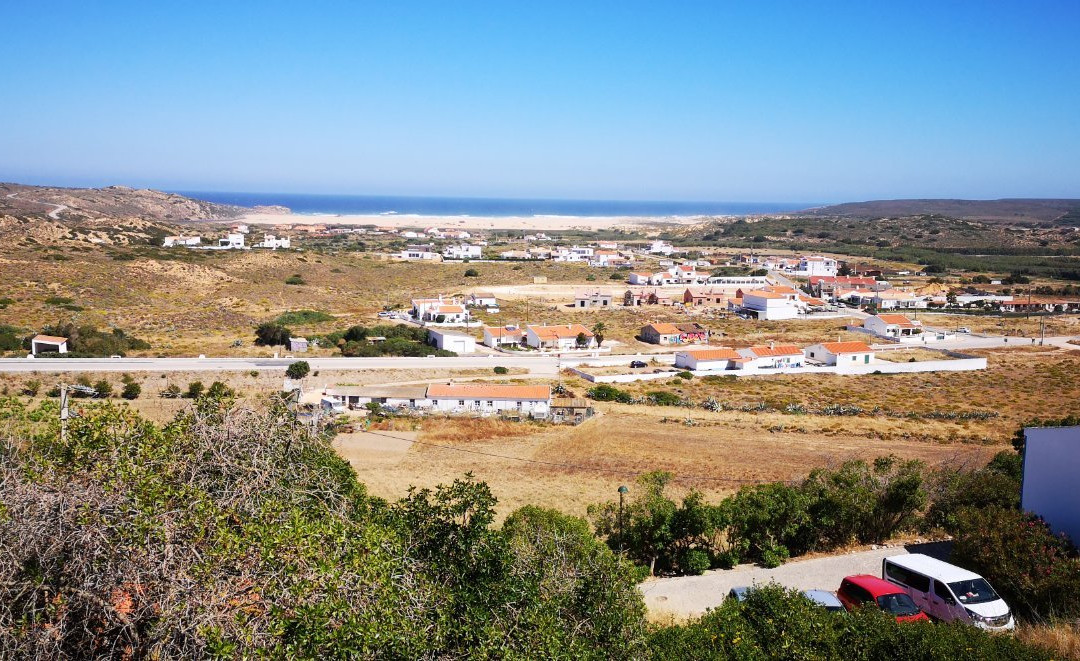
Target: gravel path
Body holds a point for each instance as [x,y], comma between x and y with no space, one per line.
[689,596]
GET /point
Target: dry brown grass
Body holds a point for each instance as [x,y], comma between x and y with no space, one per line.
[1062,640]
[917,353]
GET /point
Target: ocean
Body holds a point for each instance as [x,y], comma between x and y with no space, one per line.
[486,207]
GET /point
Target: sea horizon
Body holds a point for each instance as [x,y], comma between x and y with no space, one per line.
[485,207]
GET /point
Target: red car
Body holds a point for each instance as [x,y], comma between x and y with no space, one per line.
[865,589]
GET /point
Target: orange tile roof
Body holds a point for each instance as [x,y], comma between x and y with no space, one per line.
[487,391]
[722,353]
[760,293]
[896,320]
[847,347]
[782,350]
[451,309]
[557,332]
[499,331]
[665,329]
[781,290]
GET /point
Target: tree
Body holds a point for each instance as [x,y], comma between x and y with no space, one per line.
[298,370]
[269,334]
[644,529]
[131,390]
[598,330]
[194,390]
[472,273]
[582,340]
[103,389]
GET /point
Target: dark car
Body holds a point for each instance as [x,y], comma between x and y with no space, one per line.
[634,364]
[866,590]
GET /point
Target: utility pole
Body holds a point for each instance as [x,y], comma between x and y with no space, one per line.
[1042,331]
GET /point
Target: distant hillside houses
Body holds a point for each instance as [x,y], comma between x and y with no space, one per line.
[419,252]
[450,398]
[775,357]
[772,303]
[171,241]
[273,243]
[462,251]
[440,310]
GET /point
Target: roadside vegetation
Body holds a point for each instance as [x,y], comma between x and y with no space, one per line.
[235,531]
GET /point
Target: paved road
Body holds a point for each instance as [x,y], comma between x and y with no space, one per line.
[690,596]
[535,364]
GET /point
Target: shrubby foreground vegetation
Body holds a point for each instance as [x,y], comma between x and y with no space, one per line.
[235,531]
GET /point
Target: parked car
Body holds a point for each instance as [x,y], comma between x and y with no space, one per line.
[738,594]
[963,329]
[947,592]
[635,364]
[864,590]
[825,599]
[385,315]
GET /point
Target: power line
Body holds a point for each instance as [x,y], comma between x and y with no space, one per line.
[675,477]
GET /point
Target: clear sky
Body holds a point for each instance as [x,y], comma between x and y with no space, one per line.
[755,101]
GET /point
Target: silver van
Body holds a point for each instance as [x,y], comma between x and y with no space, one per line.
[947,592]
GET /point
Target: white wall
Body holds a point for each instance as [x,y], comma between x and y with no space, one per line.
[1051,466]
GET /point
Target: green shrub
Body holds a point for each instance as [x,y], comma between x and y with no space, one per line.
[1035,571]
[685,374]
[472,273]
[663,398]
[194,390]
[604,392]
[103,389]
[131,391]
[694,562]
[302,317]
[31,387]
[270,334]
[294,279]
[499,369]
[298,370]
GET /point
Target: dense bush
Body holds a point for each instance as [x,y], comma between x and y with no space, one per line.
[270,334]
[1036,572]
[663,398]
[952,491]
[298,370]
[608,393]
[131,390]
[194,390]
[87,341]
[399,340]
[774,623]
[237,533]
[302,317]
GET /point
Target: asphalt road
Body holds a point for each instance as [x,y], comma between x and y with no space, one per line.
[535,364]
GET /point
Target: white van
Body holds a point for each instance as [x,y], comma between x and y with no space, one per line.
[947,592]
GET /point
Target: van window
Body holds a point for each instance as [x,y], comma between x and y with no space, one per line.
[942,591]
[907,577]
[975,591]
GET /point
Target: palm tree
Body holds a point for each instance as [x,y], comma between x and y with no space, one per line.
[598,330]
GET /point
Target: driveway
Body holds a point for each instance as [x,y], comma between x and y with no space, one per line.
[684,597]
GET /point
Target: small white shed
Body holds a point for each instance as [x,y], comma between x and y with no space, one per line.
[459,343]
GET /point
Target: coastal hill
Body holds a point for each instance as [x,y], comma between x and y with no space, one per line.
[74,204]
[1008,211]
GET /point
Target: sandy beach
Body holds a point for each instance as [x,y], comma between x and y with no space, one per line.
[525,223]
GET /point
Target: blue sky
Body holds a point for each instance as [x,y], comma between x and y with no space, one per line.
[754,101]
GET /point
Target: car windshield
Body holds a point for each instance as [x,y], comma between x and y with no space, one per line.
[897,604]
[974,591]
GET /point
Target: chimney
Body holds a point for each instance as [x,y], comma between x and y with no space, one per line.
[772,344]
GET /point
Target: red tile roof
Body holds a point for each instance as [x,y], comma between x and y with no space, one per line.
[722,353]
[847,347]
[782,350]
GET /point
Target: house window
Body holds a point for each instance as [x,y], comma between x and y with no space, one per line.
[461,402]
[519,404]
[490,403]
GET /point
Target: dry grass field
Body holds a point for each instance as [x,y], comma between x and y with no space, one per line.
[571,467]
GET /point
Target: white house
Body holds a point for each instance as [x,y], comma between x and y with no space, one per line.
[273,243]
[559,338]
[483,300]
[462,251]
[604,258]
[232,241]
[459,343]
[816,265]
[240,228]
[891,299]
[661,248]
[171,241]
[431,309]
[841,353]
[490,398]
[48,344]
[419,252]
[592,299]
[770,357]
[298,344]
[895,326]
[769,306]
[498,336]
[721,358]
